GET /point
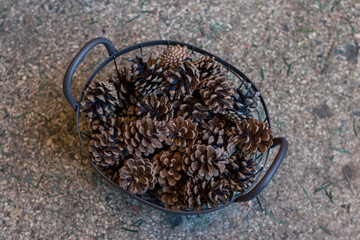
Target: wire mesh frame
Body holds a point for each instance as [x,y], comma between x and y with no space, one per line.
[227,66]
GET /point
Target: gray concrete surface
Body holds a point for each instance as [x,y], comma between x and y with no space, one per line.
[302,54]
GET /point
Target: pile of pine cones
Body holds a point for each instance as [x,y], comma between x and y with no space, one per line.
[176,130]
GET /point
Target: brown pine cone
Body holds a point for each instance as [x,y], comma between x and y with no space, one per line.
[215,133]
[142,136]
[216,92]
[128,115]
[126,88]
[179,134]
[101,99]
[246,100]
[191,107]
[168,167]
[156,108]
[207,66]
[240,171]
[203,162]
[137,175]
[233,115]
[173,55]
[252,136]
[105,147]
[146,75]
[173,197]
[218,139]
[112,172]
[228,151]
[208,193]
[245,104]
[181,79]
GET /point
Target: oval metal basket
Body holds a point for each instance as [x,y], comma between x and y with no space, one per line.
[265,170]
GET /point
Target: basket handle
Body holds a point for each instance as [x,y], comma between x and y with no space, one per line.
[77,60]
[270,173]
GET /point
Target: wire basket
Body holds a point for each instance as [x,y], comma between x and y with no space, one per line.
[265,170]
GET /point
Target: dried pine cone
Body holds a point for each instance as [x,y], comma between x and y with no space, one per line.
[126,88]
[146,75]
[245,100]
[112,172]
[179,134]
[245,104]
[173,55]
[105,147]
[173,197]
[216,92]
[101,99]
[181,79]
[168,167]
[137,175]
[203,162]
[142,136]
[208,193]
[240,171]
[229,150]
[207,66]
[191,107]
[215,133]
[128,115]
[252,136]
[156,108]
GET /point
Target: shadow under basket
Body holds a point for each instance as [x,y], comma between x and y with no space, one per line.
[265,170]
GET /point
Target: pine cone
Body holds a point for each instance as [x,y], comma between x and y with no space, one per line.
[240,171]
[112,172]
[137,175]
[179,134]
[101,99]
[215,133]
[192,108]
[173,197]
[203,162]
[105,147]
[156,108]
[146,75]
[228,151]
[142,136]
[252,136]
[174,55]
[181,79]
[168,167]
[126,88]
[246,99]
[207,66]
[128,115]
[208,193]
[245,104]
[216,92]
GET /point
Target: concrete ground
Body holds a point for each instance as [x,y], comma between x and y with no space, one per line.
[302,54]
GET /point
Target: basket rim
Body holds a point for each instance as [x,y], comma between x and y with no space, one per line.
[140,46]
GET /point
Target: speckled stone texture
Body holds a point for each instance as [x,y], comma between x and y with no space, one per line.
[303,55]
